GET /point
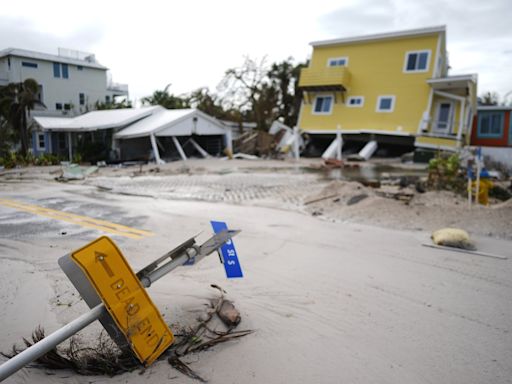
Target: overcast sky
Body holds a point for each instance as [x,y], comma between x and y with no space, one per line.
[190,44]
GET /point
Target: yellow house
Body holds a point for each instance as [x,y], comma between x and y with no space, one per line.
[392,88]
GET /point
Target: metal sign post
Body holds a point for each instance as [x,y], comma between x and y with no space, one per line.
[103,308]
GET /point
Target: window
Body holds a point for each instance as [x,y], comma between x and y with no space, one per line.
[385,103]
[79,68]
[56,69]
[81,98]
[40,93]
[107,99]
[67,107]
[323,105]
[490,124]
[65,72]
[41,143]
[355,101]
[416,61]
[28,64]
[61,70]
[58,106]
[337,62]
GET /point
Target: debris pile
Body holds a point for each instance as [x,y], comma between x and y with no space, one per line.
[216,325]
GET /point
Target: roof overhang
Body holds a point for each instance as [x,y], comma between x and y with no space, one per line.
[453,82]
[484,108]
[382,36]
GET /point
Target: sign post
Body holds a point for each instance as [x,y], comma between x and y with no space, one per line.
[118,299]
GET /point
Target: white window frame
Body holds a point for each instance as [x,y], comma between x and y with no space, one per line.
[38,137]
[322,113]
[393,100]
[429,54]
[337,58]
[355,105]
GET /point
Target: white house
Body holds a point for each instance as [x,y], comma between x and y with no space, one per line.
[70,82]
[137,134]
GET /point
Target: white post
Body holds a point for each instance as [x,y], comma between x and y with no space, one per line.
[461,118]
[50,149]
[296,149]
[155,149]
[199,149]
[70,147]
[179,148]
[228,137]
[339,141]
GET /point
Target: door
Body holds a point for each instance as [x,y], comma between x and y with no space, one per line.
[444,117]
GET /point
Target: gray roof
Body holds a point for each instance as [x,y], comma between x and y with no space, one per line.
[96,120]
[49,57]
[382,36]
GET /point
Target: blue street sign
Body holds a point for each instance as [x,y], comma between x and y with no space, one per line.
[229,256]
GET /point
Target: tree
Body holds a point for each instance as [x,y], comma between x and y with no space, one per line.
[489,98]
[285,76]
[16,102]
[113,105]
[166,99]
[264,94]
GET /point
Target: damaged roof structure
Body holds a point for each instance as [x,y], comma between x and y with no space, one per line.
[141,133]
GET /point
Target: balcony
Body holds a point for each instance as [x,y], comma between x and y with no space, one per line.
[118,89]
[325,79]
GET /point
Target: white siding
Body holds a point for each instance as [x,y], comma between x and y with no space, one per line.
[92,82]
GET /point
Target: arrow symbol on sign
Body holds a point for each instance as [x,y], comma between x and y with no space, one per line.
[102,258]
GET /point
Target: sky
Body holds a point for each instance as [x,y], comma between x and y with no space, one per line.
[190,44]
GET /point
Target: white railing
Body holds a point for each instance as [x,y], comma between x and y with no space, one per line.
[441,128]
[117,87]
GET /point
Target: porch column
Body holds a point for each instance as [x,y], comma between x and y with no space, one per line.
[228,138]
[158,160]
[50,149]
[339,140]
[461,119]
[70,147]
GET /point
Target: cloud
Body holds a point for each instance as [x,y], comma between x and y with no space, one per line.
[363,17]
[21,33]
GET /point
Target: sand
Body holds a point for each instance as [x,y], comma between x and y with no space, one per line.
[332,300]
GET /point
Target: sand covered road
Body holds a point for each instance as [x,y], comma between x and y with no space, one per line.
[330,302]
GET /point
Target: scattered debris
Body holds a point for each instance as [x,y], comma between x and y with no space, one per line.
[453,237]
[217,325]
[500,193]
[320,199]
[75,172]
[404,195]
[476,253]
[356,199]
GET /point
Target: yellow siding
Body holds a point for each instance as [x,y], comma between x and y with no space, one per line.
[376,69]
[430,142]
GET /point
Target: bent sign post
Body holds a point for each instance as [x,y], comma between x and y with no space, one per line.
[118,299]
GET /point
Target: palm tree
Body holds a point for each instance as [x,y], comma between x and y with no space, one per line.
[16,102]
[166,99]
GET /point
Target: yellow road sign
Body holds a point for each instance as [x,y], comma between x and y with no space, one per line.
[125,298]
